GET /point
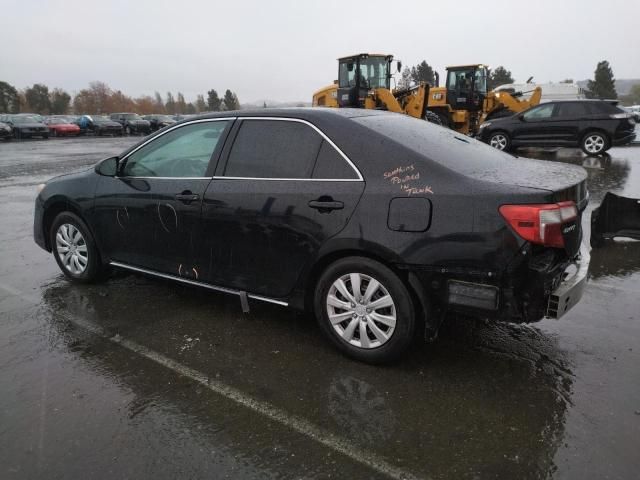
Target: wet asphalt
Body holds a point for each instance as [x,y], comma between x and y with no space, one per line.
[142,378]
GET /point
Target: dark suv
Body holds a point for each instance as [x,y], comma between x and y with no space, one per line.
[593,125]
[377,222]
[132,123]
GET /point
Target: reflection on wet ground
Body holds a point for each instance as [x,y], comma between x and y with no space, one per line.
[556,399]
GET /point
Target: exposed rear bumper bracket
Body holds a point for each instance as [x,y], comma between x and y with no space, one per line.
[570,290]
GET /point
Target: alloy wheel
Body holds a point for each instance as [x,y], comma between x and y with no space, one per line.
[594,143]
[361,310]
[498,141]
[72,248]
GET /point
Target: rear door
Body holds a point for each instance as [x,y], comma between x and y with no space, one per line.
[149,214]
[281,190]
[570,120]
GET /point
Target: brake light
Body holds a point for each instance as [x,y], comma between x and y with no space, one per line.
[541,224]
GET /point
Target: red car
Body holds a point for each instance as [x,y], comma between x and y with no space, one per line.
[59,127]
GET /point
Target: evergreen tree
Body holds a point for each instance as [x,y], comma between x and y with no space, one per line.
[499,76]
[422,73]
[59,101]
[603,84]
[181,105]
[9,99]
[38,98]
[213,101]
[230,101]
[405,78]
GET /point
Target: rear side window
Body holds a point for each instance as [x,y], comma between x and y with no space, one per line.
[331,165]
[273,149]
[603,107]
[572,109]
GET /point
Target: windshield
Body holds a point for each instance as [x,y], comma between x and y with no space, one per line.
[374,73]
[24,119]
[58,121]
[132,116]
[100,118]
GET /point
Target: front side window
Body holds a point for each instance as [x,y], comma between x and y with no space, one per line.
[183,152]
[273,149]
[540,113]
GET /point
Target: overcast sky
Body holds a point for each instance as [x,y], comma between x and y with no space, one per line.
[284,49]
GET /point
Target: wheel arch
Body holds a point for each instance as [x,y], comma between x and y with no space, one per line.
[53,208]
[415,288]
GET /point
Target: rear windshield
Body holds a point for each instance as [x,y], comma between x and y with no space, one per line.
[452,150]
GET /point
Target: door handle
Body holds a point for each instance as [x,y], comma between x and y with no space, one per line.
[326,205]
[187,197]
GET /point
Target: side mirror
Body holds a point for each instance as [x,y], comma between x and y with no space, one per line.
[108,167]
[399,66]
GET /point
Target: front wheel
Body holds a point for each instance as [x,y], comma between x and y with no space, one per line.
[74,249]
[365,310]
[500,141]
[594,143]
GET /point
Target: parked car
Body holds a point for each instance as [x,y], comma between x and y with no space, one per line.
[375,221]
[26,126]
[59,127]
[6,132]
[132,123]
[634,110]
[159,121]
[593,125]
[101,125]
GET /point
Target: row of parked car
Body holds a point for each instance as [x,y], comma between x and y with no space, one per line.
[28,125]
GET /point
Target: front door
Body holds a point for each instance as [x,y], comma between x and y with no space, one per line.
[149,214]
[535,126]
[281,190]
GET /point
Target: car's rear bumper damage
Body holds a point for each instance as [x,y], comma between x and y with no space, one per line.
[543,285]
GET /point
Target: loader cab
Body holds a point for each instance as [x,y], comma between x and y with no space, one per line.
[467,87]
[359,74]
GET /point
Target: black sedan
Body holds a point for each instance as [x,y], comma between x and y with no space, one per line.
[593,125]
[27,126]
[376,222]
[132,123]
[159,121]
[103,125]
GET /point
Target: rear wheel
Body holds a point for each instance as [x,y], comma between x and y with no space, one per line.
[500,141]
[594,143]
[432,117]
[365,310]
[74,249]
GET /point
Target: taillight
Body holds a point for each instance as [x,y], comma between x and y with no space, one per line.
[542,223]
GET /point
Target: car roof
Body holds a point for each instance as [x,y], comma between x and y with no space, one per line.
[304,113]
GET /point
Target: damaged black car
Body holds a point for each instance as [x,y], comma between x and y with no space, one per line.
[376,222]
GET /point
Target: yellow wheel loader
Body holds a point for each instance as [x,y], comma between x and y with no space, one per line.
[364,81]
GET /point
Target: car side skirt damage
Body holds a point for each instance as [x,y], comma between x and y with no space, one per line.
[243,295]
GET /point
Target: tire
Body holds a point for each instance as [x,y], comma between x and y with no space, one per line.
[595,143]
[500,141]
[87,266]
[389,334]
[433,117]
[45,136]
